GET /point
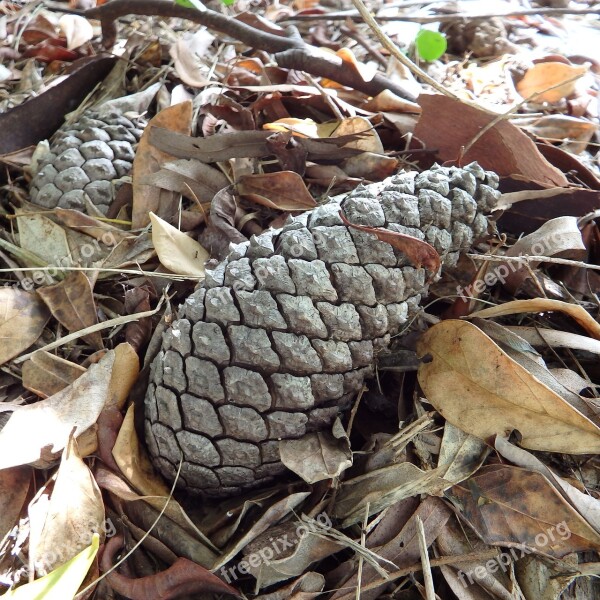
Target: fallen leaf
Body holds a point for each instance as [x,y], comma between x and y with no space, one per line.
[382,488]
[38,430]
[124,375]
[72,304]
[188,53]
[75,513]
[44,238]
[477,387]
[284,190]
[14,486]
[461,454]
[62,583]
[23,317]
[148,160]
[420,253]
[177,251]
[510,506]
[538,80]
[77,29]
[370,166]
[182,578]
[318,456]
[504,149]
[46,374]
[583,318]
[367,138]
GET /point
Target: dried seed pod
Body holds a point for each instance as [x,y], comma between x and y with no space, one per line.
[283,332]
[88,157]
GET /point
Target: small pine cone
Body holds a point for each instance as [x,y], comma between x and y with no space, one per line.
[283,332]
[85,159]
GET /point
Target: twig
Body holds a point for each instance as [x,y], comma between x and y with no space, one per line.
[342,16]
[290,51]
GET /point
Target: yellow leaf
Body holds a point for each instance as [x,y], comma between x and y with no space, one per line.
[176,251]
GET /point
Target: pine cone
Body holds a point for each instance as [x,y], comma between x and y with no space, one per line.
[85,159]
[283,332]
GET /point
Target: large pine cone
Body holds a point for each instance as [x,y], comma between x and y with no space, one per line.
[283,332]
[85,159]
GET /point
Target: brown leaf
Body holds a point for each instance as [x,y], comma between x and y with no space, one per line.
[23,317]
[477,387]
[72,304]
[284,190]
[183,577]
[420,253]
[14,485]
[447,125]
[46,374]
[149,159]
[510,506]
[542,76]
[37,430]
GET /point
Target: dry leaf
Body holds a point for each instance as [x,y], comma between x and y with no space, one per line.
[148,160]
[382,488]
[541,77]
[78,30]
[23,317]
[420,253]
[367,138]
[516,307]
[187,54]
[14,486]
[44,238]
[510,506]
[39,430]
[284,190]
[317,456]
[177,251]
[477,387]
[75,512]
[461,454]
[46,374]
[504,149]
[72,304]
[124,374]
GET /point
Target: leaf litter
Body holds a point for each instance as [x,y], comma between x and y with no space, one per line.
[491,445]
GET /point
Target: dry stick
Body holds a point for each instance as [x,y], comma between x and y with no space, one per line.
[448,18]
[290,52]
[429,590]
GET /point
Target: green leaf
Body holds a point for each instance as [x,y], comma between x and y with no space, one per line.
[62,583]
[190,4]
[430,45]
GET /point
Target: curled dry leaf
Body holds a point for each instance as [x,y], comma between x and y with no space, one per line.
[46,374]
[78,30]
[124,374]
[367,138]
[37,430]
[420,253]
[510,506]
[72,304]
[541,77]
[284,190]
[583,318]
[75,512]
[318,456]
[177,251]
[44,238]
[187,53]
[477,387]
[182,578]
[23,317]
